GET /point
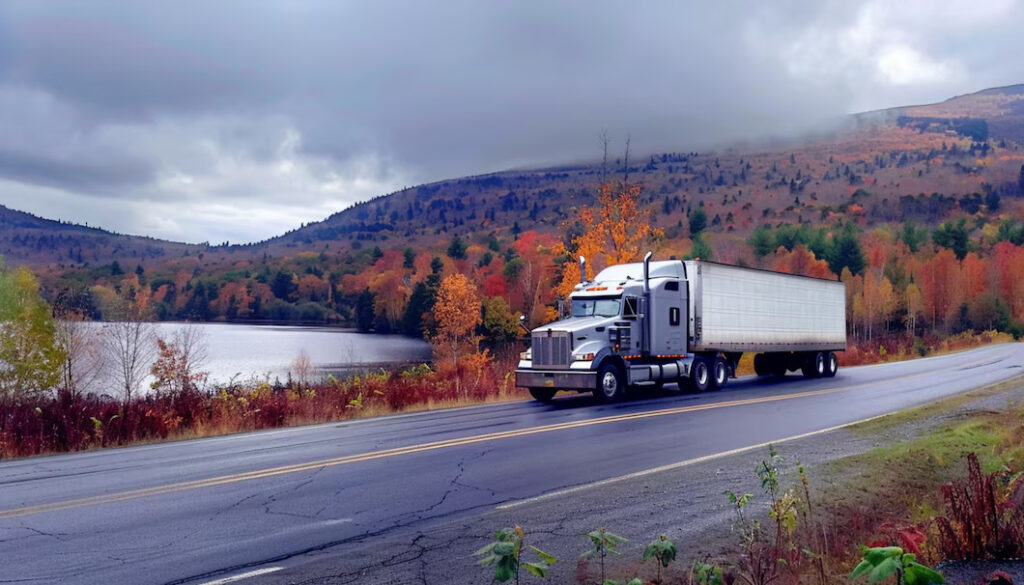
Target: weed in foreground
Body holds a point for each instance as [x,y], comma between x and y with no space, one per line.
[504,555]
[663,551]
[602,543]
[882,564]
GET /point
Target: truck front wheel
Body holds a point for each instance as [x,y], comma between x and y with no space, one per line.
[700,375]
[543,394]
[611,384]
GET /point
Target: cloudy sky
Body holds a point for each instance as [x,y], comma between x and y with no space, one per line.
[214,121]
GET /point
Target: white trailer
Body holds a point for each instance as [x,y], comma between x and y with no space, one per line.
[675,321]
[749,310]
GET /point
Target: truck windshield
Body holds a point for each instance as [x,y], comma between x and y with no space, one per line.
[595,307]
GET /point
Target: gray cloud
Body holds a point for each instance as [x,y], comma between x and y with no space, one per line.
[246,108]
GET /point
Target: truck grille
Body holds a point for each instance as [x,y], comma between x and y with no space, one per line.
[552,349]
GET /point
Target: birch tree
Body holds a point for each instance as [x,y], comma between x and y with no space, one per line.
[130,341]
[84,359]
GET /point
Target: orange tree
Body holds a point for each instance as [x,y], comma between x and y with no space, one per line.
[457,314]
[615,230]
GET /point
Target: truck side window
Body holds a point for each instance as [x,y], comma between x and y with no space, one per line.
[629,308]
[672,285]
[673,316]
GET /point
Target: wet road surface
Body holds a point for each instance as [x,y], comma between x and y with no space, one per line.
[199,511]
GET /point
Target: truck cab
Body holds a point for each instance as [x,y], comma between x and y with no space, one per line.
[627,316]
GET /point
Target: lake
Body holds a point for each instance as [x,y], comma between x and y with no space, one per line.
[267,351]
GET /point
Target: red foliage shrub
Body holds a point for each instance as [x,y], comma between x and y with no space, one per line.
[909,537]
[67,422]
[981,521]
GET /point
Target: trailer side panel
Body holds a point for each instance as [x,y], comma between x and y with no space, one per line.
[739,309]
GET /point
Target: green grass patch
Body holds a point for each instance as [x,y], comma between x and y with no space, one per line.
[881,425]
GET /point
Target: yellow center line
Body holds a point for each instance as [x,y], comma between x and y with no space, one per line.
[433,446]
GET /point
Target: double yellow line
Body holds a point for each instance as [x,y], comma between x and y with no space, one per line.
[421,448]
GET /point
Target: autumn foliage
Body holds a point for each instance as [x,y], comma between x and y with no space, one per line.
[457,314]
[616,230]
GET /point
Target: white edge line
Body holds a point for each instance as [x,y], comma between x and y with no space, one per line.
[677,465]
[240,576]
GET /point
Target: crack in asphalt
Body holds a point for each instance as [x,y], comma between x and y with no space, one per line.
[272,498]
[211,518]
[54,535]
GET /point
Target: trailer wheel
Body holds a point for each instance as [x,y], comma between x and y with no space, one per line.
[700,374]
[831,365]
[719,373]
[814,366]
[779,365]
[762,365]
[543,394]
[611,385]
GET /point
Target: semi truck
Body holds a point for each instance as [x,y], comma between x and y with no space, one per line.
[685,322]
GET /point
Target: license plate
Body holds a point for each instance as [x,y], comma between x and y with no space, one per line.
[549,383]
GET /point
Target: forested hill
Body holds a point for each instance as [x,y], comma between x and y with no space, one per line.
[951,148]
[961,159]
[33,240]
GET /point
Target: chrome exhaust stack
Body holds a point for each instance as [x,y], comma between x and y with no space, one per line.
[646,337]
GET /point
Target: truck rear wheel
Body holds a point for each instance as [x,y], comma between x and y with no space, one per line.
[831,365]
[815,365]
[719,373]
[700,374]
[762,365]
[611,384]
[779,365]
[543,394]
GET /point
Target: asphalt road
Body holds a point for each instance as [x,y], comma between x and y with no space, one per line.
[199,511]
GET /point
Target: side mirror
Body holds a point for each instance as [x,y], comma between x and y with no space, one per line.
[630,308]
[522,324]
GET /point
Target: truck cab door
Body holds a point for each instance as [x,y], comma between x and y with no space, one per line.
[668,318]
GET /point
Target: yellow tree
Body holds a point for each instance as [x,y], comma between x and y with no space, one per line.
[457,313]
[30,356]
[616,228]
[886,302]
[915,305]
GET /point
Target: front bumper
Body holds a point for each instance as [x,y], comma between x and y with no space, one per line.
[558,379]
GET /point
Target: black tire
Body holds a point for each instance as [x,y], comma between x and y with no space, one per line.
[611,383]
[831,365]
[762,365]
[814,365]
[700,375]
[719,373]
[543,394]
[779,365]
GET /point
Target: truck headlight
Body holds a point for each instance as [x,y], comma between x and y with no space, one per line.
[525,355]
[583,357]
